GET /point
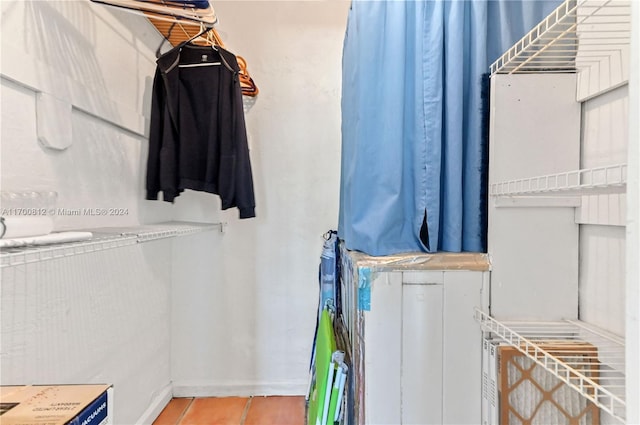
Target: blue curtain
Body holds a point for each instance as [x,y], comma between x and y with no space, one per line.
[414,145]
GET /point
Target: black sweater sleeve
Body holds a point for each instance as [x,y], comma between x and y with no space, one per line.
[235,169]
[162,173]
[244,194]
[155,138]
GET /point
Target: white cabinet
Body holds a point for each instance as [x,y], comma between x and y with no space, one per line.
[533,247]
[415,345]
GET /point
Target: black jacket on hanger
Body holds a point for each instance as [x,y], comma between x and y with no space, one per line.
[198,137]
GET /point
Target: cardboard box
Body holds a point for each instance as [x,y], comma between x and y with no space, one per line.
[56,405]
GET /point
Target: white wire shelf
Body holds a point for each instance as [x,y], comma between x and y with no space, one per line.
[597,374]
[608,179]
[103,239]
[578,34]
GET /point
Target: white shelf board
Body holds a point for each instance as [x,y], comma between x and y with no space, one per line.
[606,389]
[578,34]
[103,239]
[608,179]
[537,201]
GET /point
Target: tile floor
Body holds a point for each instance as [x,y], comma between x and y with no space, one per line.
[233,411]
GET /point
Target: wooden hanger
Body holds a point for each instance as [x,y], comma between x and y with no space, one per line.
[187,11]
[208,41]
[249,87]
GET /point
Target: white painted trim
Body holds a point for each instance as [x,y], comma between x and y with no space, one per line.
[158,404]
[383,362]
[537,201]
[485,293]
[110,408]
[581,220]
[240,389]
[600,92]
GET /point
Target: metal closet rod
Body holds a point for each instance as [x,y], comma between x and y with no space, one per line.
[197,11]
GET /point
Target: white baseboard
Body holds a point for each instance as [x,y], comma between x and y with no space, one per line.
[158,403]
[218,389]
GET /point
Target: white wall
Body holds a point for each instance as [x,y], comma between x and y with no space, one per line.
[244,319]
[604,140]
[226,313]
[102,65]
[93,318]
[602,277]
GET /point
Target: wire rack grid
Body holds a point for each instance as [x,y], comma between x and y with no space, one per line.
[102,239]
[578,34]
[609,179]
[603,384]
